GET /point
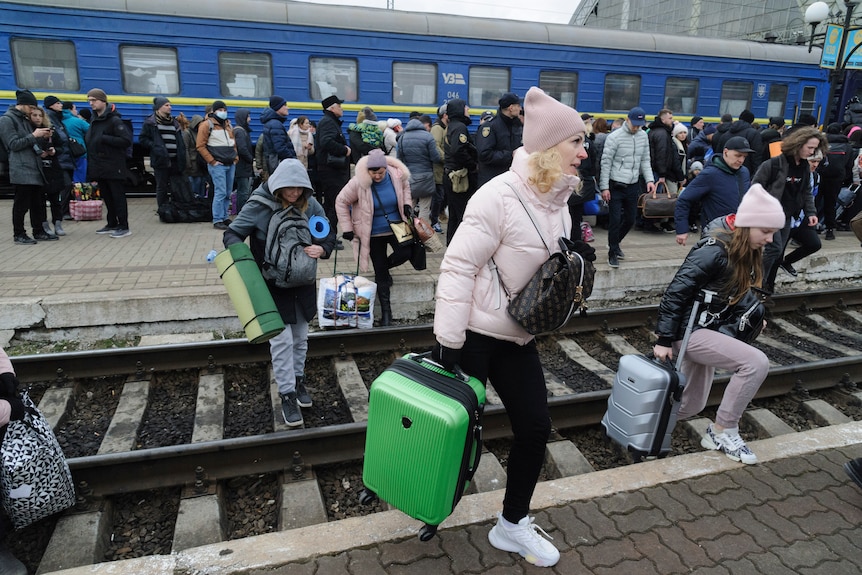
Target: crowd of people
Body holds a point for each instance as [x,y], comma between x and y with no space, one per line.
[521,178]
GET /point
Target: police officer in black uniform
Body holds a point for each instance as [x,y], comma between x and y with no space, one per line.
[498,139]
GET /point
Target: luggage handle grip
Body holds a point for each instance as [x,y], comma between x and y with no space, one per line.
[477,442]
[426,358]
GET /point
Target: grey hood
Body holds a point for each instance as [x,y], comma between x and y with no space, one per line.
[290,173]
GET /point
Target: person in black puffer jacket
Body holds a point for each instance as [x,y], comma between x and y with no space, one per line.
[835,173]
[728,261]
[743,127]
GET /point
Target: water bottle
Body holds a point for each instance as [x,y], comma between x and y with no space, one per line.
[212,256]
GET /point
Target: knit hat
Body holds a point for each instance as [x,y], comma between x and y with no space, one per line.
[758,209]
[707,130]
[393,123]
[218,105]
[330,100]
[369,113]
[25,98]
[276,103]
[50,101]
[696,119]
[158,102]
[696,166]
[67,105]
[376,160]
[746,116]
[678,128]
[547,121]
[508,99]
[98,94]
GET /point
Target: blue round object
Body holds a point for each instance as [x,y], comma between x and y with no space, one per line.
[319,227]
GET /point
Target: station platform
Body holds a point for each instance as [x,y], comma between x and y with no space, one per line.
[157,281]
[795,512]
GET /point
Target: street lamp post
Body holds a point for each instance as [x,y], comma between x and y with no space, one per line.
[814,15]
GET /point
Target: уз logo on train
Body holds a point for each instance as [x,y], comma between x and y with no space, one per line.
[453,78]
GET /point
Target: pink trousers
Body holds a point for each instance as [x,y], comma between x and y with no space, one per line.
[708,350]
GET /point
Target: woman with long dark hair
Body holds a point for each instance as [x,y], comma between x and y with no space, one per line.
[729,263]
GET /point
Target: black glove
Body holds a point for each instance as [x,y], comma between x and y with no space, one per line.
[587,251]
[347,236]
[8,384]
[408,211]
[17,408]
[446,357]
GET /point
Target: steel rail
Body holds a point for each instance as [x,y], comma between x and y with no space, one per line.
[177,465]
[141,361]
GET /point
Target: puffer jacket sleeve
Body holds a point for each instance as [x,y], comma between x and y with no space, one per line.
[703,265]
[477,239]
[608,152]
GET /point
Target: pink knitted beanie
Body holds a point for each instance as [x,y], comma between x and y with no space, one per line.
[758,209]
[547,122]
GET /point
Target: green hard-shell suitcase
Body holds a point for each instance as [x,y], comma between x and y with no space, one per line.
[424,439]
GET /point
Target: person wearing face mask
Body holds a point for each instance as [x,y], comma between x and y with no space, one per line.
[717,189]
[217,146]
[513,220]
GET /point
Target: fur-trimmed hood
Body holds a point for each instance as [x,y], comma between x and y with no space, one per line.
[363,178]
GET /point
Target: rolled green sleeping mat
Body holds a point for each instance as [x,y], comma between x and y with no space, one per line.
[248,293]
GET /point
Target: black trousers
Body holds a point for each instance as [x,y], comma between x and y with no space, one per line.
[516,374]
[809,242]
[331,183]
[382,262]
[28,199]
[114,195]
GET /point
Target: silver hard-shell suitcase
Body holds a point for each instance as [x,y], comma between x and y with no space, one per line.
[644,401]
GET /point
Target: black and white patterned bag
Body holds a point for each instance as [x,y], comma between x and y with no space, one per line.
[34,477]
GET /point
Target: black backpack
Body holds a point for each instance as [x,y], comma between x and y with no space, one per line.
[836,161]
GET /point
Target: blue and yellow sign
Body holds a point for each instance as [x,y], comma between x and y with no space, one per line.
[851,57]
[831,46]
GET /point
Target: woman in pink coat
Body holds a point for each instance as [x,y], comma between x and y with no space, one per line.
[471,324]
[379,193]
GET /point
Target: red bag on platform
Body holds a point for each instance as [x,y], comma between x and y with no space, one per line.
[86,210]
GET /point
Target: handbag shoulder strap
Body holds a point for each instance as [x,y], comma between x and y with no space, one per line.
[379,201]
[533,218]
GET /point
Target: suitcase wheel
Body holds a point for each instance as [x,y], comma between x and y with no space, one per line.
[427,532]
[366,496]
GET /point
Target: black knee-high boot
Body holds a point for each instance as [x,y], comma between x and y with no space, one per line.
[385,304]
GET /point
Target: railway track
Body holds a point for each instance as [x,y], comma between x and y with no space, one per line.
[813,344]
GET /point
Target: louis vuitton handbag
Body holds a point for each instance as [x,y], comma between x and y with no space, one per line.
[558,289]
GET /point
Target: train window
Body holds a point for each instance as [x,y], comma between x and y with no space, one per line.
[622,92]
[561,85]
[487,85]
[680,95]
[150,70]
[414,83]
[808,105]
[333,76]
[735,97]
[245,75]
[777,100]
[45,64]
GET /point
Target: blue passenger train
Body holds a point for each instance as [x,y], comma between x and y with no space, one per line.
[243,51]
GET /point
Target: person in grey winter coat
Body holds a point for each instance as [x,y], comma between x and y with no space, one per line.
[418,150]
[25,166]
[287,186]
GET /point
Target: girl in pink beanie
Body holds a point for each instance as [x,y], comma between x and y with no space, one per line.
[514,221]
[728,262]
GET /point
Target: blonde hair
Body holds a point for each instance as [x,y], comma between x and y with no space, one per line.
[545,169]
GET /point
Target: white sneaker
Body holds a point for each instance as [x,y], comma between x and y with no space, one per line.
[525,540]
[730,443]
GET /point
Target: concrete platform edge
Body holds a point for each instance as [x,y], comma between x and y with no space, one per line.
[272,550]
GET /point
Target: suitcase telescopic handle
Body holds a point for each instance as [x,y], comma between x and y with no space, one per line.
[477,442]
